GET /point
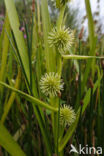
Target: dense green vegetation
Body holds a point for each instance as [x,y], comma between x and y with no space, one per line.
[51,80]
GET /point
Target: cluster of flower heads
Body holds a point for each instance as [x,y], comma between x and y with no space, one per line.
[51,84]
[60,3]
[67,115]
[62,39]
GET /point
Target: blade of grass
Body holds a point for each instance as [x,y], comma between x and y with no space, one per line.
[92,40]
[29,52]
[81,57]
[12,98]
[30,98]
[49,52]
[5,49]
[88,93]
[15,25]
[1,38]
[46,29]
[7,142]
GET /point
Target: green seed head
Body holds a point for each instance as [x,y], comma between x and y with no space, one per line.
[62,39]
[51,84]
[67,115]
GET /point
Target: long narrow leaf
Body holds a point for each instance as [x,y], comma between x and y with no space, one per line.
[5,49]
[7,142]
[81,57]
[49,52]
[92,40]
[30,98]
[11,99]
[15,25]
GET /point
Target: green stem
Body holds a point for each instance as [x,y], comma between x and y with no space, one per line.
[56,100]
[92,40]
[81,57]
[12,98]
[91,115]
[79,92]
[58,122]
[59,63]
[5,49]
[79,74]
[60,18]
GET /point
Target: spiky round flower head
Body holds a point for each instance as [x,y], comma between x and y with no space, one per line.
[62,39]
[67,115]
[51,84]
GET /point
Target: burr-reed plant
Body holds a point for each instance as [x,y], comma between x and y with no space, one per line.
[51,83]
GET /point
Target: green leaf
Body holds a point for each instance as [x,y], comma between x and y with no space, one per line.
[81,57]
[30,98]
[90,23]
[49,52]
[15,25]
[12,98]
[7,142]
[58,3]
[92,42]
[86,100]
[5,47]
[88,94]
[1,40]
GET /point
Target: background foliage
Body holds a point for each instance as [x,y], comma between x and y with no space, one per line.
[26,123]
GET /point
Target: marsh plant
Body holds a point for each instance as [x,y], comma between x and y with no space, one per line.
[51,92]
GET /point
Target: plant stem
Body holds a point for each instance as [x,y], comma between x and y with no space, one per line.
[92,40]
[58,122]
[12,97]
